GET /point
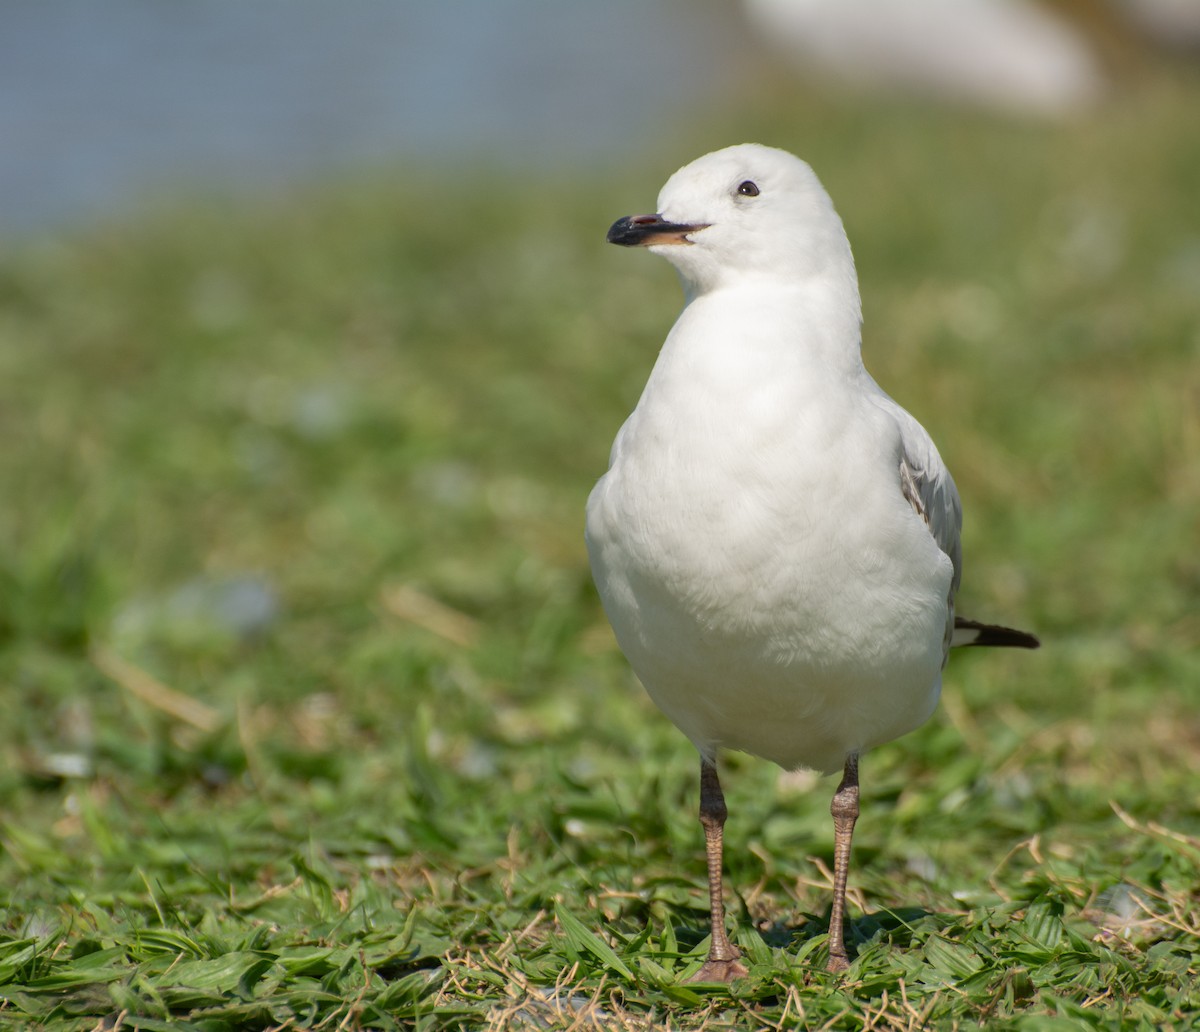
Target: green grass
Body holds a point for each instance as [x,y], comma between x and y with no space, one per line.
[451,805]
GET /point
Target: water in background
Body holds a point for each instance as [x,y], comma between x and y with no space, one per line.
[104,105]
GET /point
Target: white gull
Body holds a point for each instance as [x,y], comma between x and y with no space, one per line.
[776,541]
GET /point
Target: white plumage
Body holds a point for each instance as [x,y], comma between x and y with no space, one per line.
[776,541]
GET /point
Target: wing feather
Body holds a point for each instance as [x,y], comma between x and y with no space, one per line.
[929,488]
[926,483]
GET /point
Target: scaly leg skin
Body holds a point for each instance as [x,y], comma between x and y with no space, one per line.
[844,809]
[722,964]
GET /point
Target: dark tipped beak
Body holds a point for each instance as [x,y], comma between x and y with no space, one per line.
[648,230]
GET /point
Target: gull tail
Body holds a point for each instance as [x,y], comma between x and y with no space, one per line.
[971,632]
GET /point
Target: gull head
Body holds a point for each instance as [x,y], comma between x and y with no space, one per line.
[743,213]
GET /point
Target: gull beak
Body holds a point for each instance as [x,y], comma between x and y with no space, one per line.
[650,230]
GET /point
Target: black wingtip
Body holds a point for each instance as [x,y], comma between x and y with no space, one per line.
[971,632]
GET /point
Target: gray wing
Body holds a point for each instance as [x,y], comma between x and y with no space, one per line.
[930,490]
[928,487]
[926,483]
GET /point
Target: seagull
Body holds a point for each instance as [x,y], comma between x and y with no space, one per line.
[776,541]
[1010,56]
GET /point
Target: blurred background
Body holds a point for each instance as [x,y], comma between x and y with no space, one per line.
[311,349]
[106,109]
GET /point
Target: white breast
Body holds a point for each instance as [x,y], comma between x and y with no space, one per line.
[763,573]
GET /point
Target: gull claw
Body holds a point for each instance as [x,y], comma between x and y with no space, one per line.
[837,963]
[720,971]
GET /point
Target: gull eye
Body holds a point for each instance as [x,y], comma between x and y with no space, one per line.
[748,188]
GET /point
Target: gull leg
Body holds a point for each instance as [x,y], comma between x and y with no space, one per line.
[722,963]
[844,809]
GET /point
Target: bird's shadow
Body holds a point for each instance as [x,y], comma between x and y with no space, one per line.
[895,926]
